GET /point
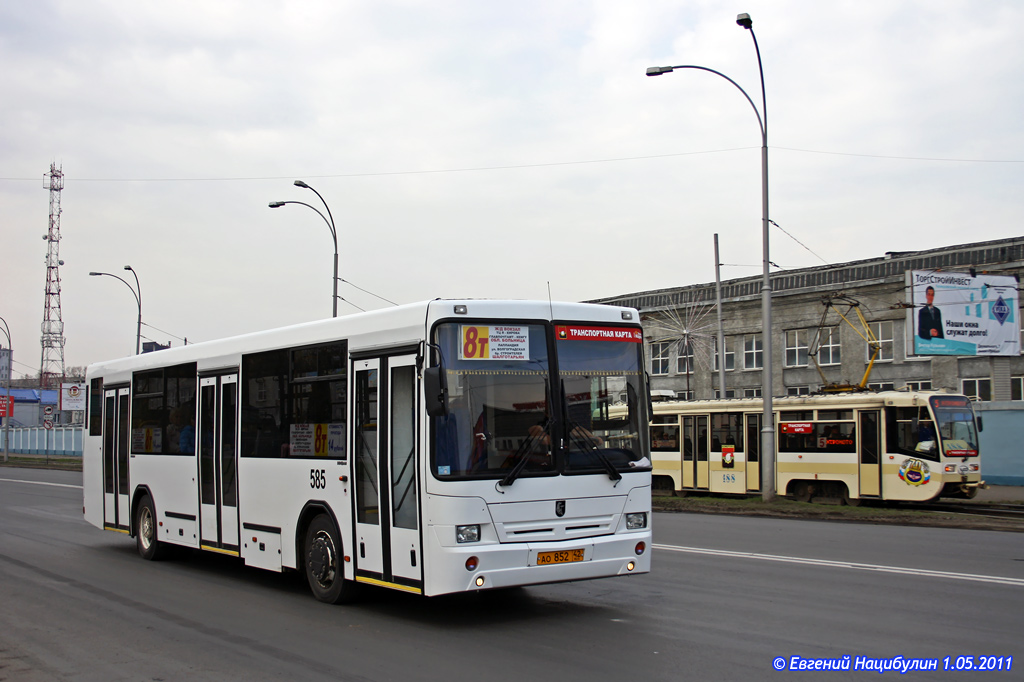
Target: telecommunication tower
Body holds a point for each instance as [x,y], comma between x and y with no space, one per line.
[51,367]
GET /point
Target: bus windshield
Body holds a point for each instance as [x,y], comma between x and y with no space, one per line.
[505,411]
[499,396]
[955,420]
[600,371]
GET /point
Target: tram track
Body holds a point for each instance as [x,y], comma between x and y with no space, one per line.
[998,510]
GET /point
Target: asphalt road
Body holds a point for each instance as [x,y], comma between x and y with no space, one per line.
[728,595]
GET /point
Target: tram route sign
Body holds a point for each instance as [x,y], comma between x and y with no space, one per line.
[956,313]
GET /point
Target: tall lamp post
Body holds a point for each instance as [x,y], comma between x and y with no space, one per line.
[137,293]
[7,390]
[767,420]
[329,219]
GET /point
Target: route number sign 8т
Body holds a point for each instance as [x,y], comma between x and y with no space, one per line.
[499,342]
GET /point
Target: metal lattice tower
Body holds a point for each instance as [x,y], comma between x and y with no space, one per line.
[51,367]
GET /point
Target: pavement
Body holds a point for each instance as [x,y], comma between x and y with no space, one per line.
[1001,493]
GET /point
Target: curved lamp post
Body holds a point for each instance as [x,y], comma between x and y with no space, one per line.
[767,421]
[7,389]
[137,293]
[329,219]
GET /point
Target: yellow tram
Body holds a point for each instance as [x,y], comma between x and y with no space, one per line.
[891,445]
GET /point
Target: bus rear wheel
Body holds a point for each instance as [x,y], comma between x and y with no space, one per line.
[324,570]
[150,548]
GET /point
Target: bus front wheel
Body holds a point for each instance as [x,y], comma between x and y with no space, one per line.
[324,570]
[150,548]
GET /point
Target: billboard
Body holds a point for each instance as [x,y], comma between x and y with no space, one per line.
[72,396]
[954,313]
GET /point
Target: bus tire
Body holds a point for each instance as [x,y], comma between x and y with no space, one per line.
[323,561]
[146,540]
[802,491]
[848,499]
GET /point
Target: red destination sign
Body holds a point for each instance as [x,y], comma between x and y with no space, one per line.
[574,333]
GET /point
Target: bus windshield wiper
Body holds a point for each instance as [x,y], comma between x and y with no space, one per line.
[581,435]
[524,448]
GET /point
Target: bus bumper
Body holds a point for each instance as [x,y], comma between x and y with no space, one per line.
[489,566]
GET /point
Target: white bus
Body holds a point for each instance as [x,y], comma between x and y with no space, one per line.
[892,445]
[433,448]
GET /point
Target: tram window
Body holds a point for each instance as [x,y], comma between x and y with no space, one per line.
[688,439]
[796,416]
[753,436]
[835,415]
[163,408]
[726,429]
[290,394]
[822,437]
[665,437]
[911,431]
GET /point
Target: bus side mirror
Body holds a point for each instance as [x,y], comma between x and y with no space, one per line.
[980,425]
[435,390]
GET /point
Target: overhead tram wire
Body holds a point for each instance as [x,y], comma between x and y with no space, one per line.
[473,169]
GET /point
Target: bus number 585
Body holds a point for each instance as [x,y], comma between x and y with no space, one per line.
[318,478]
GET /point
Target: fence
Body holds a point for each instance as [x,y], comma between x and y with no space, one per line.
[64,441]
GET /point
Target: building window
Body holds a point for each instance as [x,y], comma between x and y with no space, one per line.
[977,388]
[684,395]
[730,357]
[684,362]
[828,346]
[1016,388]
[796,348]
[882,386]
[751,393]
[753,352]
[659,357]
[798,390]
[919,385]
[729,393]
[882,332]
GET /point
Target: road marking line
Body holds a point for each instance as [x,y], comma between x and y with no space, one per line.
[1019,582]
[56,485]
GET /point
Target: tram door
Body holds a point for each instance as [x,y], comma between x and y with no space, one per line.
[753,425]
[116,444]
[218,477]
[870,453]
[696,472]
[387,544]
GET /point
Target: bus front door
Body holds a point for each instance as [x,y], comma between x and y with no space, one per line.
[218,478]
[387,544]
[116,444]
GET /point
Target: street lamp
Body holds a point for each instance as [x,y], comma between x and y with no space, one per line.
[767,421]
[7,390]
[137,293]
[329,219]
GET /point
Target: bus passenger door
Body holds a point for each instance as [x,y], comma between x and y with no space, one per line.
[870,453]
[387,543]
[218,477]
[753,452]
[116,445]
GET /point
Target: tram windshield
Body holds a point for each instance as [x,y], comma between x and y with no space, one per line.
[955,420]
[505,411]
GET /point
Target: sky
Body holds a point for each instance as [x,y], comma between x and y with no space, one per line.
[479,149]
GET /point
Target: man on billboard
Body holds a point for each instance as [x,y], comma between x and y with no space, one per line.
[929,318]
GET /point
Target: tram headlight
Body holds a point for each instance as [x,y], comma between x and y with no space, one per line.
[636,521]
[469,533]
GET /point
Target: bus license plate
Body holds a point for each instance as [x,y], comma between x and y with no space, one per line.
[564,557]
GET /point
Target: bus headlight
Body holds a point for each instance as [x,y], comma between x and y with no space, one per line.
[467,533]
[636,521]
